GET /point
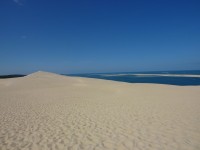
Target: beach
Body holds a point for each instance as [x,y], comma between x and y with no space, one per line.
[45,111]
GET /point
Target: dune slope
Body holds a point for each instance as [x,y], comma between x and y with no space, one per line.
[49,111]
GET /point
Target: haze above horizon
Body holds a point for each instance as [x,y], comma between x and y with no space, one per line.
[76,36]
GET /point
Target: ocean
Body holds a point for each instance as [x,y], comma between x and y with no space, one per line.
[158,77]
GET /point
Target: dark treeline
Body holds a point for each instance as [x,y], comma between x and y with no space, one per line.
[11,76]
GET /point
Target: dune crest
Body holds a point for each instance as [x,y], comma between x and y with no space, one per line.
[42,74]
[49,111]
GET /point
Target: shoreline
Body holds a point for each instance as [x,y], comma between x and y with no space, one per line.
[165,75]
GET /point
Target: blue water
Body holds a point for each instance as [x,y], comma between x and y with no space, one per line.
[181,81]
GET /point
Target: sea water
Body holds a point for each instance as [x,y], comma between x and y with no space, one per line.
[131,78]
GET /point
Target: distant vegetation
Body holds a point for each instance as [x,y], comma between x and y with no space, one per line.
[11,76]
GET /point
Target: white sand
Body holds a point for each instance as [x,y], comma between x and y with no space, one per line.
[48,111]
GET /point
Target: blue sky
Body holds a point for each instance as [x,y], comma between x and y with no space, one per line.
[80,36]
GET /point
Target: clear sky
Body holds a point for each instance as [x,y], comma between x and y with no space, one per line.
[80,36]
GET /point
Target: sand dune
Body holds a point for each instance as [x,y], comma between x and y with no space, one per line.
[49,111]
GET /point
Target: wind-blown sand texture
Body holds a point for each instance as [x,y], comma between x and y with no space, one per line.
[48,111]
